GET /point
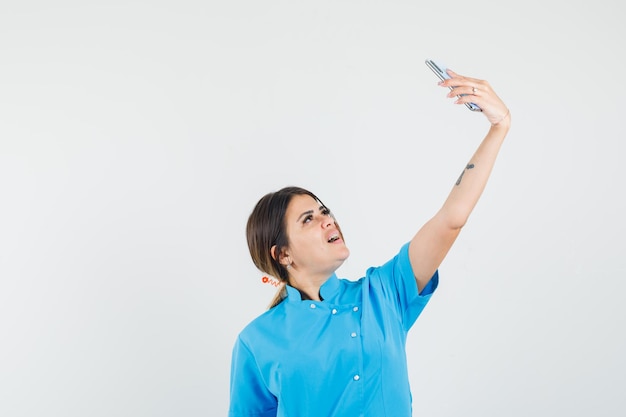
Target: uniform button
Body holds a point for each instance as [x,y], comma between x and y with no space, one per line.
[334,311]
[353,334]
[312,305]
[355,309]
[356,377]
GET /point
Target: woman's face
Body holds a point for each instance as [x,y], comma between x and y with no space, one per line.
[316,245]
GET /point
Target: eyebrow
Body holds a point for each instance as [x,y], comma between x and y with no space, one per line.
[306,213]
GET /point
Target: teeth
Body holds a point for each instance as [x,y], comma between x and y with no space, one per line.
[333,238]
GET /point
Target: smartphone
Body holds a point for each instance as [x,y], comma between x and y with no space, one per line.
[440,71]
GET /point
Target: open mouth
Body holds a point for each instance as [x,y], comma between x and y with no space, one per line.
[333,238]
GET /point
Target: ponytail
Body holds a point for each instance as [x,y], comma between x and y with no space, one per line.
[280,295]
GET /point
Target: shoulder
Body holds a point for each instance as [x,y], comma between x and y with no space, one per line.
[263,323]
[399,264]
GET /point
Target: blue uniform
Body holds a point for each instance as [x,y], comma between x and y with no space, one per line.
[342,357]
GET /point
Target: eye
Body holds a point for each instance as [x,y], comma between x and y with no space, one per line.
[326,211]
[308,218]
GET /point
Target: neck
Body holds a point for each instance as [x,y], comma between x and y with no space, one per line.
[309,288]
[308,292]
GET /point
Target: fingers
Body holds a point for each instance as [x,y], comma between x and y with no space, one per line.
[473,90]
[458,80]
[464,86]
[459,76]
[469,98]
[466,90]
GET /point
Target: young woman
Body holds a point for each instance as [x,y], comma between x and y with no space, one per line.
[336,347]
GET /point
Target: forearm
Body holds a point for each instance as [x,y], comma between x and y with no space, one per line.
[472,181]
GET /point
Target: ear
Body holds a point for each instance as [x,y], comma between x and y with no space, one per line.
[282,257]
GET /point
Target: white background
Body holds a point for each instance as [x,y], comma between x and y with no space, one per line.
[136,136]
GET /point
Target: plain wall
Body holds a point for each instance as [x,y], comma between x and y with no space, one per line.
[136,136]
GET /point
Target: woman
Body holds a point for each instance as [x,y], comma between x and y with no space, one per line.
[335,347]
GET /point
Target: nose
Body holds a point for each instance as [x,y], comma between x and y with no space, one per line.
[329,221]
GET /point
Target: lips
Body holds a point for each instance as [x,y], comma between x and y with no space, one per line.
[333,237]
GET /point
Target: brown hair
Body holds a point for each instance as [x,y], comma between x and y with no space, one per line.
[266,227]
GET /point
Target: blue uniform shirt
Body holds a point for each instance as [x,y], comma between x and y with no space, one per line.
[343,357]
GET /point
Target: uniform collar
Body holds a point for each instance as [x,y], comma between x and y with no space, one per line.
[327,290]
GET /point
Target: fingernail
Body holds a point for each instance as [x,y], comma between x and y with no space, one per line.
[440,82]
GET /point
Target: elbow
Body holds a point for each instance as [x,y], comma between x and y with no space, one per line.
[455,220]
[457,224]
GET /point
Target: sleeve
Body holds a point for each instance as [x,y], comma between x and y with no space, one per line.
[396,283]
[249,395]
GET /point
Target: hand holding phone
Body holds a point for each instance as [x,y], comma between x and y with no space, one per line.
[440,71]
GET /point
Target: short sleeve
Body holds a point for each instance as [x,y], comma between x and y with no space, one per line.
[249,395]
[396,282]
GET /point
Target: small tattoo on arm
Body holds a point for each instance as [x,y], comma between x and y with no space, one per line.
[469,166]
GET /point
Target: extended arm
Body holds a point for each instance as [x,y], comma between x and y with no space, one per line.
[432,242]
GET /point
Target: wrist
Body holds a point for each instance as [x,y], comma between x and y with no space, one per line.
[504,122]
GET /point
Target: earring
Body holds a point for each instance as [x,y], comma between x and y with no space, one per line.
[288,266]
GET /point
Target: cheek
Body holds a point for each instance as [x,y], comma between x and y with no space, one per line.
[302,243]
[299,243]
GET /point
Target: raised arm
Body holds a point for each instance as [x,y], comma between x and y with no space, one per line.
[432,242]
